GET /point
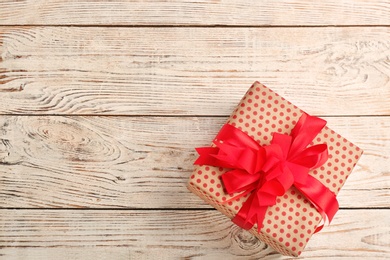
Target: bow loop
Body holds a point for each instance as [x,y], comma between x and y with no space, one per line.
[312,157]
[239,180]
[304,132]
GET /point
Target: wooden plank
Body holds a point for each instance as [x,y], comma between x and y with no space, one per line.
[191,71]
[207,12]
[175,234]
[145,162]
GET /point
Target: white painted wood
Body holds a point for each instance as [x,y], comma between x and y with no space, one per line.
[145,162]
[202,12]
[96,154]
[191,71]
[129,234]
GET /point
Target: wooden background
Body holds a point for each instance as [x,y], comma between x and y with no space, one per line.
[102,104]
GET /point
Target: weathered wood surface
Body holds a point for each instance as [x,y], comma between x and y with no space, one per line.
[145,162]
[192,234]
[203,12]
[103,102]
[191,71]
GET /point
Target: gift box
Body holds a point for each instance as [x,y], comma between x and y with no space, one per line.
[274,170]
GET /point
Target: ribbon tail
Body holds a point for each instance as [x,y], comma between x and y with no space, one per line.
[321,197]
[250,213]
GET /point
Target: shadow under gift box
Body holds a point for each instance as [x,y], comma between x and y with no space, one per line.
[289,224]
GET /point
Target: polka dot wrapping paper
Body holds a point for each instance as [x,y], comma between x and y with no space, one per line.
[289,224]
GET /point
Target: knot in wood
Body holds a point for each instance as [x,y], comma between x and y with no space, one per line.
[246,240]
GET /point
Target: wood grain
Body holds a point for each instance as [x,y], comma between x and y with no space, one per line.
[145,162]
[191,234]
[191,71]
[207,12]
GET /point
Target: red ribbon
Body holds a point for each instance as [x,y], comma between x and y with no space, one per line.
[266,172]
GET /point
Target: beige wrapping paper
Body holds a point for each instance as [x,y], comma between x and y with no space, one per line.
[290,223]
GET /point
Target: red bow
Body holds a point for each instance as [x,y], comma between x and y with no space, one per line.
[269,171]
